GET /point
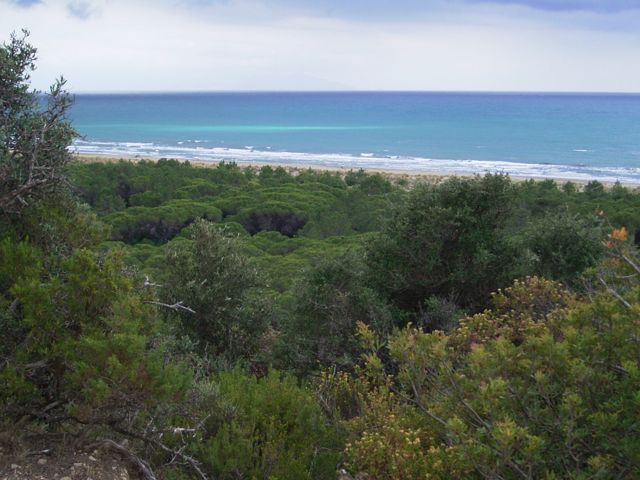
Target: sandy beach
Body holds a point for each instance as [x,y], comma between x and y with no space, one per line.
[406,177]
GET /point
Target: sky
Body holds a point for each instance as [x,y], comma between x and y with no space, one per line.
[431,45]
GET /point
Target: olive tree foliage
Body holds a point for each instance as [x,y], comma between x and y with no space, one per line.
[217,292]
[34,131]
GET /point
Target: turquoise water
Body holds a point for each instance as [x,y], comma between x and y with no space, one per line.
[571,136]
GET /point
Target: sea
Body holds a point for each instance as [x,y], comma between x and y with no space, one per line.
[565,136]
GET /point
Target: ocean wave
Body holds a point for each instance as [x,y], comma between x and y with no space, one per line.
[86,143]
[396,163]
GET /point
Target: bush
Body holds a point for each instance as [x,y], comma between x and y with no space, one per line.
[272,429]
[542,388]
[564,245]
[449,241]
[210,275]
[329,301]
[83,341]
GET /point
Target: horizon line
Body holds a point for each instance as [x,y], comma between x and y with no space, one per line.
[259,91]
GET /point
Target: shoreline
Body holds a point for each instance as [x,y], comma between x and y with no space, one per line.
[409,176]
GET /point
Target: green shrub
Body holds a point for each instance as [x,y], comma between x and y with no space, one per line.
[449,240]
[563,245]
[84,343]
[546,387]
[210,275]
[272,429]
[330,299]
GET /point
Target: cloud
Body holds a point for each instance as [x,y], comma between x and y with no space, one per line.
[25,3]
[81,9]
[394,9]
[162,45]
[600,6]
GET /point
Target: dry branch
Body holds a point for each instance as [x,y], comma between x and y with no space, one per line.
[192,462]
[176,307]
[142,466]
[614,293]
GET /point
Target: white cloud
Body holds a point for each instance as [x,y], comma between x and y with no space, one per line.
[244,45]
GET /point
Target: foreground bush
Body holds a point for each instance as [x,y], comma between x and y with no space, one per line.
[79,339]
[268,428]
[545,388]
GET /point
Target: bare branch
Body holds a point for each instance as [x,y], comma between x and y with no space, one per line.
[614,293]
[176,307]
[181,430]
[149,283]
[631,263]
[46,451]
[142,466]
[195,465]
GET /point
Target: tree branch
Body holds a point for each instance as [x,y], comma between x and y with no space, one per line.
[614,293]
[176,307]
[142,466]
[195,465]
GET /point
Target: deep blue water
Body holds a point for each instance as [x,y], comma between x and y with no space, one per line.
[554,135]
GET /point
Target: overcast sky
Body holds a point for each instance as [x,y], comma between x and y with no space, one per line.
[452,45]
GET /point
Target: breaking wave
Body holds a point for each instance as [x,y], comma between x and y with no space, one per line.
[249,155]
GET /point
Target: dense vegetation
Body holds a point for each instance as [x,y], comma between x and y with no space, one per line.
[258,323]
